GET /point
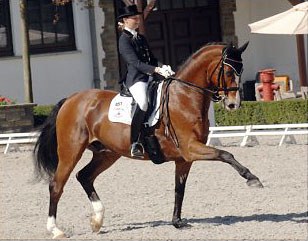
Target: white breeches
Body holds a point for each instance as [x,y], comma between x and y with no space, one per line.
[139,92]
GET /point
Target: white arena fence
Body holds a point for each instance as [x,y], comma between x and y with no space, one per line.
[247,132]
[11,140]
[286,131]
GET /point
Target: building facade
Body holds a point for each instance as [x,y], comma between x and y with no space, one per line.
[75,48]
[265,50]
[61,53]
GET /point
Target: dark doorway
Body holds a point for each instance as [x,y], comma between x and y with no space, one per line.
[177,28]
[176,31]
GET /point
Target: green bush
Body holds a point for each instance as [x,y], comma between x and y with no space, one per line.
[250,113]
[261,113]
[41,112]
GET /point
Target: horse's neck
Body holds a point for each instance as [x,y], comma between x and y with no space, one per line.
[196,69]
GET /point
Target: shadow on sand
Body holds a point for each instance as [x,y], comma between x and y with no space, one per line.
[218,220]
[229,220]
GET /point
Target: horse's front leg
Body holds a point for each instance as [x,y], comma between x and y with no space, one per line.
[181,173]
[199,151]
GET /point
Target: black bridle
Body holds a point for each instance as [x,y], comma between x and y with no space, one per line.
[222,86]
[237,66]
[215,90]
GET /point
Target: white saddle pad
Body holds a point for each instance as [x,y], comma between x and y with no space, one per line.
[121,109]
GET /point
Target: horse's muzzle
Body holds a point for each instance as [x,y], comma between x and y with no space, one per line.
[231,104]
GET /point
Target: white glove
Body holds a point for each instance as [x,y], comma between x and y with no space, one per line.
[168,68]
[165,71]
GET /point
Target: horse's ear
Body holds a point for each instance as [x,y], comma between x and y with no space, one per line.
[243,48]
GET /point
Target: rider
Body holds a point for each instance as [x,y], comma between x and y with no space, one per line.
[141,65]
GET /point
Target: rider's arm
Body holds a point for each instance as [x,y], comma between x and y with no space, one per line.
[128,53]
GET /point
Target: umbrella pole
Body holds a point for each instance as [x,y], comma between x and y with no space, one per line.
[300,52]
[301,59]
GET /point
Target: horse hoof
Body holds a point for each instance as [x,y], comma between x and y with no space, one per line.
[59,236]
[254,183]
[181,224]
[96,224]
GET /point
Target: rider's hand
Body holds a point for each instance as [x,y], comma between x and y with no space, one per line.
[165,71]
[168,68]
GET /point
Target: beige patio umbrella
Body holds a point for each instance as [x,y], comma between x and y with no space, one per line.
[293,22]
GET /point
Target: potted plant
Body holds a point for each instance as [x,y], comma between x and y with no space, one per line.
[6,101]
[15,117]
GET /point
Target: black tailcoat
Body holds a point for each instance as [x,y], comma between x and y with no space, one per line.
[140,61]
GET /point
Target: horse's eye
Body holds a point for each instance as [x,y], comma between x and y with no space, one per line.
[230,73]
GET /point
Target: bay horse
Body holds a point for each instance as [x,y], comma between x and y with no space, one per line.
[80,122]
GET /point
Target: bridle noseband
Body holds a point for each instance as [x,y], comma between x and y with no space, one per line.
[236,65]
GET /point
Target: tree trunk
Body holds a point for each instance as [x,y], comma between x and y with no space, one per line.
[25,53]
[141,25]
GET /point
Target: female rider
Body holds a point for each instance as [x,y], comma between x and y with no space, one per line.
[141,65]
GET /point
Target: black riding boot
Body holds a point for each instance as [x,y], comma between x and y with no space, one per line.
[136,126]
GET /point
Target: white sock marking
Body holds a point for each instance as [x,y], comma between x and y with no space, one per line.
[98,209]
[52,227]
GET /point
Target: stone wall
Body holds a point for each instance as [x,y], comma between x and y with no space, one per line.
[16,118]
[109,41]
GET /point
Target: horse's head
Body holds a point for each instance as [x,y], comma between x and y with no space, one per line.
[225,73]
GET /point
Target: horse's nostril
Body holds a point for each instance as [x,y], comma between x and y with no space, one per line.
[231,106]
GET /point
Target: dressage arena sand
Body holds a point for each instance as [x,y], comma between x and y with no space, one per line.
[138,198]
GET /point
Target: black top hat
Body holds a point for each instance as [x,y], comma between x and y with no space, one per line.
[128,11]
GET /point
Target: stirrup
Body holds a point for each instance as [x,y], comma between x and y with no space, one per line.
[137,150]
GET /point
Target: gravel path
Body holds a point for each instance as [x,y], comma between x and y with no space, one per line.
[138,198]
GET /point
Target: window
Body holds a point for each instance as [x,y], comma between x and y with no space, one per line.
[177,4]
[6,47]
[51,27]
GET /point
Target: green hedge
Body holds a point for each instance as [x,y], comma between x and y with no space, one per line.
[41,112]
[262,113]
[251,112]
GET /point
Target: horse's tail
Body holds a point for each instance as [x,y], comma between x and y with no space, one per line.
[45,151]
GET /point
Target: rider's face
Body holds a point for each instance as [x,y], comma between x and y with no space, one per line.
[132,22]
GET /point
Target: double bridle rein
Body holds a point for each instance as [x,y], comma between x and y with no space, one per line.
[214,91]
[224,60]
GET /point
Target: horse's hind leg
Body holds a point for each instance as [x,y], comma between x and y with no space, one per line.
[99,163]
[68,158]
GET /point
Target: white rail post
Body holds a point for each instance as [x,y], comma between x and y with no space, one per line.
[285,136]
[245,138]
